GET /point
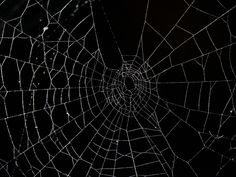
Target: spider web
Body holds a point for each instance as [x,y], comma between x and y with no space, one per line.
[84,92]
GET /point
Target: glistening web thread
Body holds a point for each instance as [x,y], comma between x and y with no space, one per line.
[103,88]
